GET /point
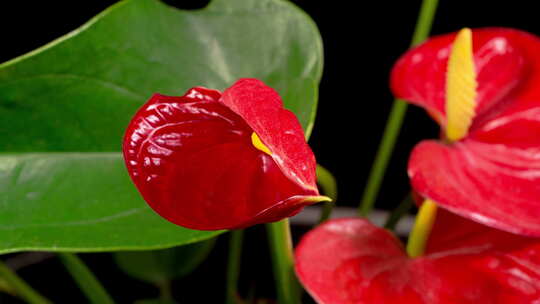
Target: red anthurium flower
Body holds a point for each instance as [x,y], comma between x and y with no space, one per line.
[213,161]
[351,261]
[490,174]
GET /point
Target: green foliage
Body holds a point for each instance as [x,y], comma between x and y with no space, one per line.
[78,202]
[6,288]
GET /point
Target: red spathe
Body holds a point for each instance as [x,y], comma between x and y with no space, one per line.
[492,175]
[351,261]
[193,160]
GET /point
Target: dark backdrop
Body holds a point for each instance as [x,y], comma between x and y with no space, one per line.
[361,43]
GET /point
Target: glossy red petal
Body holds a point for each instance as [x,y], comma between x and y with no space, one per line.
[351,261]
[493,175]
[193,161]
[452,232]
[494,184]
[517,128]
[279,129]
[506,63]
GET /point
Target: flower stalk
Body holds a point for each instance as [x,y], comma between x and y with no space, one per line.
[328,183]
[22,288]
[86,280]
[233,268]
[395,119]
[279,237]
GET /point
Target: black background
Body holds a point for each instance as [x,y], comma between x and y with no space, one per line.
[361,43]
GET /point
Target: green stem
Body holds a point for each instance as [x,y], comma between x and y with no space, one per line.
[279,236]
[86,280]
[401,210]
[419,236]
[424,22]
[233,269]
[395,119]
[21,287]
[329,187]
[384,152]
[165,291]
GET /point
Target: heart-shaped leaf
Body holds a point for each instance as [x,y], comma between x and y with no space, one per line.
[78,94]
[78,202]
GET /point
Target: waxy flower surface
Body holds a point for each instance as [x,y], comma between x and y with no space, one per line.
[351,261]
[210,161]
[490,174]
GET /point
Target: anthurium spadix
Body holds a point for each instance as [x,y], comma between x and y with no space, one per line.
[351,261]
[210,161]
[486,98]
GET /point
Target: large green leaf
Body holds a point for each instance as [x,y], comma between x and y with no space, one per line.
[78,93]
[78,202]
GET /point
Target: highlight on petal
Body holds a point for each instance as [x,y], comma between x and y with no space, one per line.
[200,163]
[495,184]
[503,60]
[460,87]
[491,175]
[349,260]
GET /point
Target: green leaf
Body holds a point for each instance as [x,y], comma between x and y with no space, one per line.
[78,202]
[6,288]
[78,93]
[158,266]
